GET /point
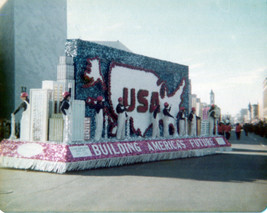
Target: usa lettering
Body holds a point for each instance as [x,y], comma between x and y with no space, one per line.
[140,100]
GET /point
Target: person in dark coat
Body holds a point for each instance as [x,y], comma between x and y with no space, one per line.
[227,130]
[221,129]
[166,116]
[65,104]
[245,127]
[238,131]
[121,111]
[181,116]
[155,122]
[25,118]
[212,119]
[24,104]
[66,111]
[193,122]
[99,107]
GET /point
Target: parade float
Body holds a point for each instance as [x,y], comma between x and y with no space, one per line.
[83,138]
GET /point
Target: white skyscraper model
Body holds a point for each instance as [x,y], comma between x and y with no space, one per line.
[46,118]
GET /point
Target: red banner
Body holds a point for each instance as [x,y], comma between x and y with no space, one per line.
[90,151]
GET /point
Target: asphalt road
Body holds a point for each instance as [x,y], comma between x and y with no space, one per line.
[230,182]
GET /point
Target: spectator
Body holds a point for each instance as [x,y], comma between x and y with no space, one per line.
[238,131]
[221,128]
[245,127]
[227,130]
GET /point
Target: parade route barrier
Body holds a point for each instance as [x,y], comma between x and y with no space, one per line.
[60,158]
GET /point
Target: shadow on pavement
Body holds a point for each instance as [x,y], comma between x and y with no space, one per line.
[240,165]
[251,139]
[249,150]
[221,167]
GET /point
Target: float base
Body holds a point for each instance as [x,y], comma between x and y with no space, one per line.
[60,158]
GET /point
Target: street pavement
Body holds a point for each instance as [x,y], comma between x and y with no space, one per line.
[233,181]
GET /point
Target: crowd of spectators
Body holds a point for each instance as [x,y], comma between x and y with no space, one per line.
[259,128]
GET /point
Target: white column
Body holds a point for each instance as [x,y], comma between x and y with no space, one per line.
[39,114]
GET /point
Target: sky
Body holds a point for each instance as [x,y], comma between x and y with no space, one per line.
[224,42]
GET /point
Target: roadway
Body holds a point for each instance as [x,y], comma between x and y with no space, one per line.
[234,181]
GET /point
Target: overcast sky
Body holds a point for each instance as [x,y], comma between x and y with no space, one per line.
[224,42]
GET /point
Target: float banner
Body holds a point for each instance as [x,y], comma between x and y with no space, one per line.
[94,151]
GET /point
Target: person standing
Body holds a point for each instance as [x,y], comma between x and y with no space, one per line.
[212,119]
[155,122]
[221,128]
[121,111]
[99,117]
[193,122]
[66,111]
[238,131]
[181,121]
[227,130]
[166,116]
[245,127]
[25,118]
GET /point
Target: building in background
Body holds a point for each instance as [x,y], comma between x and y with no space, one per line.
[193,100]
[203,108]
[243,116]
[32,37]
[114,44]
[196,102]
[260,103]
[199,107]
[265,99]
[254,112]
[212,98]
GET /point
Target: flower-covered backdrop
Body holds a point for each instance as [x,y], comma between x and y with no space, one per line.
[93,64]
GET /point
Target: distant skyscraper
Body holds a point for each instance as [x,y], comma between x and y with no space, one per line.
[243,116]
[212,97]
[249,112]
[198,107]
[265,99]
[254,111]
